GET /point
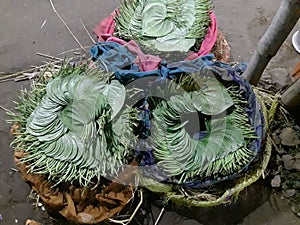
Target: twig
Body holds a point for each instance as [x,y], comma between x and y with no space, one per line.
[74,49]
[127,221]
[159,216]
[4,78]
[88,33]
[62,20]
[5,109]
[10,77]
[284,113]
[43,24]
[26,76]
[49,56]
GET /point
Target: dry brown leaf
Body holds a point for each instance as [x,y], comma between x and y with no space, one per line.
[296,71]
[32,222]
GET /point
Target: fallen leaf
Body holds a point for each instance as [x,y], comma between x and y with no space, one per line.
[296,71]
[32,222]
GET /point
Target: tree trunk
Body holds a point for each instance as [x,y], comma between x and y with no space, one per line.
[291,98]
[283,22]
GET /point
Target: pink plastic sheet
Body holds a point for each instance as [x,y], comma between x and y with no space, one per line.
[209,40]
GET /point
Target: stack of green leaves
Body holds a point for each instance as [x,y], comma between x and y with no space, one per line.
[71,128]
[223,151]
[168,25]
[77,127]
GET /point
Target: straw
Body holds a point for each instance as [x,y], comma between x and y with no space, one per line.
[62,20]
[88,33]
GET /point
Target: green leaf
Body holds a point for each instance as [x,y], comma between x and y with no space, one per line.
[155,22]
[188,12]
[222,139]
[167,25]
[73,126]
[178,153]
[174,41]
[116,94]
[212,97]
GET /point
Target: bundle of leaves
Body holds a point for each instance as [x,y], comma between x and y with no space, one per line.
[169,25]
[208,140]
[210,132]
[75,127]
[71,128]
[223,149]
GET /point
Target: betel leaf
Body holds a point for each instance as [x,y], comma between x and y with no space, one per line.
[177,152]
[167,25]
[85,103]
[135,25]
[121,125]
[223,138]
[116,94]
[212,98]
[154,20]
[72,126]
[188,12]
[174,41]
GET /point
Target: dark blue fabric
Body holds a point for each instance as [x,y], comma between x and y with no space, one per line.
[112,57]
[144,117]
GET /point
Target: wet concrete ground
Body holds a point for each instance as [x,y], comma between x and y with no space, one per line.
[21,36]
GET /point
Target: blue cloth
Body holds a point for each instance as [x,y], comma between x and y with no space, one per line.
[113,57]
